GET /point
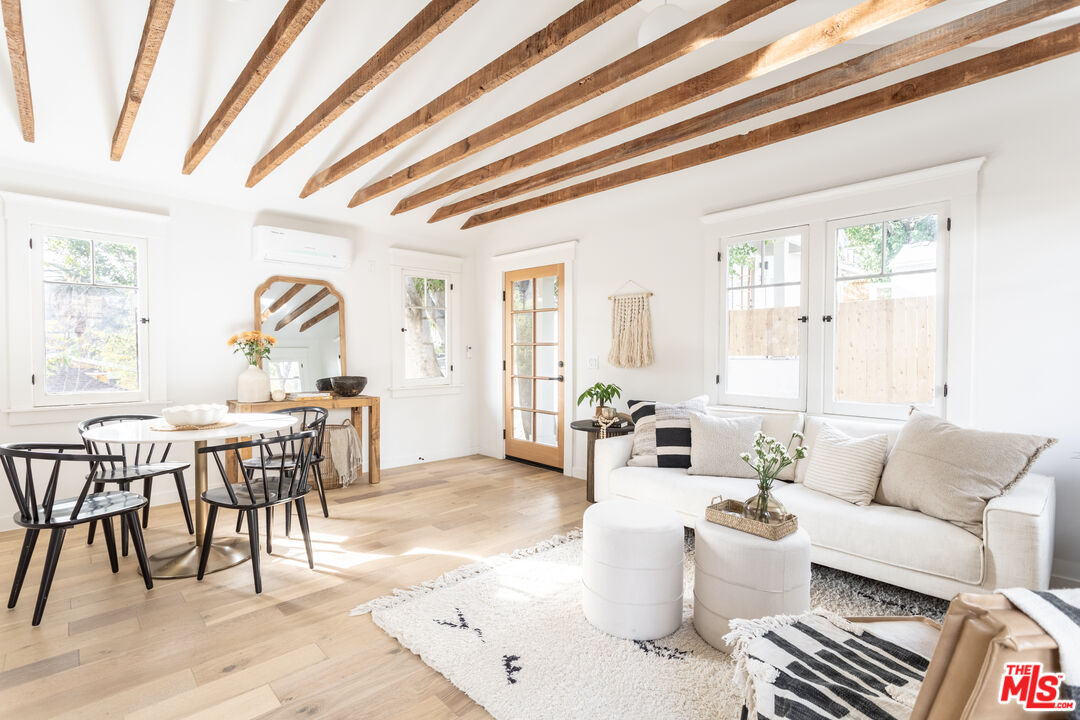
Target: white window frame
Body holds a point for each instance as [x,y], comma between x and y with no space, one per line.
[762,401]
[39,233]
[412,263]
[888,410]
[19,214]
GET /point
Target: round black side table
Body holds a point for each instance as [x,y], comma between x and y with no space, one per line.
[593,431]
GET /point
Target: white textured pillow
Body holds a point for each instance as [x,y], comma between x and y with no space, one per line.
[845,467]
[716,443]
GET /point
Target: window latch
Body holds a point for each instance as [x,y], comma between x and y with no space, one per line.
[144,320]
[404,330]
[826,318]
[803,318]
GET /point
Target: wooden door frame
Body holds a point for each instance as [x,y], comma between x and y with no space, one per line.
[557,454]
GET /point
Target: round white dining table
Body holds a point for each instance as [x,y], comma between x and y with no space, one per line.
[182,561]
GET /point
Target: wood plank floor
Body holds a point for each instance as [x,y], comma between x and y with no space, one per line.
[107,647]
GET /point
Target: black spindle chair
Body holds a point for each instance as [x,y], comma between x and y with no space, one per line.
[39,509]
[311,418]
[140,466]
[279,476]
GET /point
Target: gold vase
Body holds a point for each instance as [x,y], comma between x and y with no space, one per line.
[764,507]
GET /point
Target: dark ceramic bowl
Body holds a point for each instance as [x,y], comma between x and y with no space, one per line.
[324,384]
[348,385]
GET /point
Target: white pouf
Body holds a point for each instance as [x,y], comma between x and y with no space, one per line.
[739,575]
[632,569]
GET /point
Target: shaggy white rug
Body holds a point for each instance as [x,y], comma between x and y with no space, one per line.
[511,634]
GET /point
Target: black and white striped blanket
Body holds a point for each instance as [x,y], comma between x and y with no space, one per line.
[1058,613]
[818,666]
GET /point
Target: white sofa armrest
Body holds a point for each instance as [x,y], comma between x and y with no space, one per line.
[609,454]
[1018,535]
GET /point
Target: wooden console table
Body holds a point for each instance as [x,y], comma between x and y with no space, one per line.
[355,404]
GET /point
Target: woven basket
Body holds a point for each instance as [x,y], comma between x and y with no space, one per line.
[330,479]
[729,513]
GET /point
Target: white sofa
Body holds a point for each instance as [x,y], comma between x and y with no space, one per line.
[891,544]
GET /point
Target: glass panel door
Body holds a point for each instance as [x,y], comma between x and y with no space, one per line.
[533,365]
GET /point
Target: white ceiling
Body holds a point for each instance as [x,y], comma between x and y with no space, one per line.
[81,53]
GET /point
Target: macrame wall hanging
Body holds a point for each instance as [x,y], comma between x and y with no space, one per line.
[631,329]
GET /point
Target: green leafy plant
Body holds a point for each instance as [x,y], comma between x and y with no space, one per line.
[600,394]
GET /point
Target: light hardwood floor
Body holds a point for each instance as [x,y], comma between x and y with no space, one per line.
[107,647]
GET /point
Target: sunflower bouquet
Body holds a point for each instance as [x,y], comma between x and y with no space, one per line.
[253,344]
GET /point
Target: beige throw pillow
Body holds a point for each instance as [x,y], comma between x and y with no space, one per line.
[716,443]
[950,472]
[846,467]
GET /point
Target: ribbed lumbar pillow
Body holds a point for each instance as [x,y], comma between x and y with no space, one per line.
[846,467]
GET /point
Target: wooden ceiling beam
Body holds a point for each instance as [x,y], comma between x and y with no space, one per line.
[285,297]
[580,20]
[20,70]
[427,25]
[706,28]
[923,46]
[302,308]
[293,18]
[985,67]
[157,20]
[308,324]
[854,22]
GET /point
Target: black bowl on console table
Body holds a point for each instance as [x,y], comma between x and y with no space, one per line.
[324,384]
[348,385]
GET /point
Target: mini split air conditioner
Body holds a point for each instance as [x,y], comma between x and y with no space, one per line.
[274,244]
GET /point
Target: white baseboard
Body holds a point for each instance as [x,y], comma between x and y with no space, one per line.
[1065,574]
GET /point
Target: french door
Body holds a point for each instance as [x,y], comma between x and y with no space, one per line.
[533,364]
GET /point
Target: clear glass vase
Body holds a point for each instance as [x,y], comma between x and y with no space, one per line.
[764,507]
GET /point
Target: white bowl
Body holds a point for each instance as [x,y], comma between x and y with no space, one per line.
[206,414]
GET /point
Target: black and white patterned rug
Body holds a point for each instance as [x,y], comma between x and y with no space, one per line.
[511,634]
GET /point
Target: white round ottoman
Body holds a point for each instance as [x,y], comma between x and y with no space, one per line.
[739,575]
[632,569]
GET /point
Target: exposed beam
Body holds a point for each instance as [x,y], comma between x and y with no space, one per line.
[157,20]
[287,296]
[302,308]
[841,27]
[20,71]
[583,18]
[710,26]
[418,32]
[985,67]
[292,19]
[950,36]
[308,324]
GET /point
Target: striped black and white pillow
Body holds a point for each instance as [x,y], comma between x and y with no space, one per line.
[846,467]
[662,432]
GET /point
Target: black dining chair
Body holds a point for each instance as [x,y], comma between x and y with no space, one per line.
[279,477]
[140,466]
[311,418]
[39,508]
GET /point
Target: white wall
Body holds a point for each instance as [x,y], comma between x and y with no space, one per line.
[1027,255]
[208,297]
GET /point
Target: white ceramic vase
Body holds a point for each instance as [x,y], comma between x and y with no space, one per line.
[253,385]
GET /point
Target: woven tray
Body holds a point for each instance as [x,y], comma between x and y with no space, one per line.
[729,514]
[181,428]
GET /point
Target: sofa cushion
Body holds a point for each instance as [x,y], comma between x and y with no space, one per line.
[890,535]
[851,428]
[717,443]
[845,467]
[663,437]
[951,472]
[775,423]
[688,494]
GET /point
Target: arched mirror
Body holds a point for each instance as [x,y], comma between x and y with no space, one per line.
[308,319]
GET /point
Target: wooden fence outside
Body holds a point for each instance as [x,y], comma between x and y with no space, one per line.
[866,331]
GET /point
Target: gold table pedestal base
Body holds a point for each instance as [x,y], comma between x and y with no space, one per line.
[182,561]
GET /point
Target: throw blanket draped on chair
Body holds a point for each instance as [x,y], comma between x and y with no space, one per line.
[1058,613]
[820,665]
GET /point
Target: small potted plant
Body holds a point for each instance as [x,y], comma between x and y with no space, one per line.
[768,457]
[600,395]
[253,385]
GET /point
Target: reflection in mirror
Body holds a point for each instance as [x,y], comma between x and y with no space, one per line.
[307,318]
